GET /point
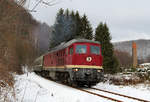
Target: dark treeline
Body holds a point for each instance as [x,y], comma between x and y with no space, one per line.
[70,25]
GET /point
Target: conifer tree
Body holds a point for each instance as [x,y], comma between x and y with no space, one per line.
[74,26]
[67,13]
[72,15]
[86,29]
[110,63]
[69,26]
[55,37]
[63,29]
[78,25]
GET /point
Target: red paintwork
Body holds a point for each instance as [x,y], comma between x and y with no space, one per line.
[80,59]
[61,57]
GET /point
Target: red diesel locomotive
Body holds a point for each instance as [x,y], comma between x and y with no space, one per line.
[77,62]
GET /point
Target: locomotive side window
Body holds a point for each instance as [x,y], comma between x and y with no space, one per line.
[95,50]
[71,51]
[67,51]
[81,49]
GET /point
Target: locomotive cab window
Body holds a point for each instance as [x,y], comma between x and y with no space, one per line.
[81,49]
[71,51]
[95,50]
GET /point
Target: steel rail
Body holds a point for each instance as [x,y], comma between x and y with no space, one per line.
[113,99]
[142,100]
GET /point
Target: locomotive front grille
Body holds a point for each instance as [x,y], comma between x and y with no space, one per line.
[85,75]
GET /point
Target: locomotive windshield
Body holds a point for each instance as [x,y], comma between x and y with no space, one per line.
[81,49]
[95,50]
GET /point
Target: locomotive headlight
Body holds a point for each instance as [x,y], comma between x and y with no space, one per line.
[76,69]
[89,59]
[98,70]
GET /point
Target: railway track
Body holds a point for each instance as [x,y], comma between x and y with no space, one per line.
[112,95]
[99,95]
[134,98]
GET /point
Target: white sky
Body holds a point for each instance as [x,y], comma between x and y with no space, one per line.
[127,19]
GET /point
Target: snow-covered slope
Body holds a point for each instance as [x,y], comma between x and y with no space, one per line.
[33,88]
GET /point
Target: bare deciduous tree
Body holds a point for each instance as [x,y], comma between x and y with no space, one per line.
[124,58]
[15,41]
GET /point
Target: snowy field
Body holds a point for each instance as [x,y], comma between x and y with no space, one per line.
[33,88]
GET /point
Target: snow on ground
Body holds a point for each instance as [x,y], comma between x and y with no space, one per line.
[141,91]
[33,88]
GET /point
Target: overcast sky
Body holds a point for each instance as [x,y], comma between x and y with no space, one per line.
[127,19]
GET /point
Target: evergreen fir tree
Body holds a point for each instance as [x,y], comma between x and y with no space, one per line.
[69,26]
[74,26]
[72,14]
[57,29]
[78,25]
[60,12]
[86,29]
[63,29]
[110,63]
[67,13]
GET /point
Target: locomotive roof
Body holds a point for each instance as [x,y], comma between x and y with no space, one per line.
[66,44]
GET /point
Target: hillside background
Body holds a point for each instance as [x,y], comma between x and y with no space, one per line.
[143,48]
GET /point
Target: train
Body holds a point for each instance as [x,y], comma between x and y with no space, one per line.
[77,62]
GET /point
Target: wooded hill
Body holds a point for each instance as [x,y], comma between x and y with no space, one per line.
[143,48]
[16,40]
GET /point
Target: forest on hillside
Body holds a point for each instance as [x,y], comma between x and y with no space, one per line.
[143,48]
[17,46]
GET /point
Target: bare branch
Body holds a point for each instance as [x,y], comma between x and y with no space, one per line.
[21,2]
[36,5]
[50,3]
